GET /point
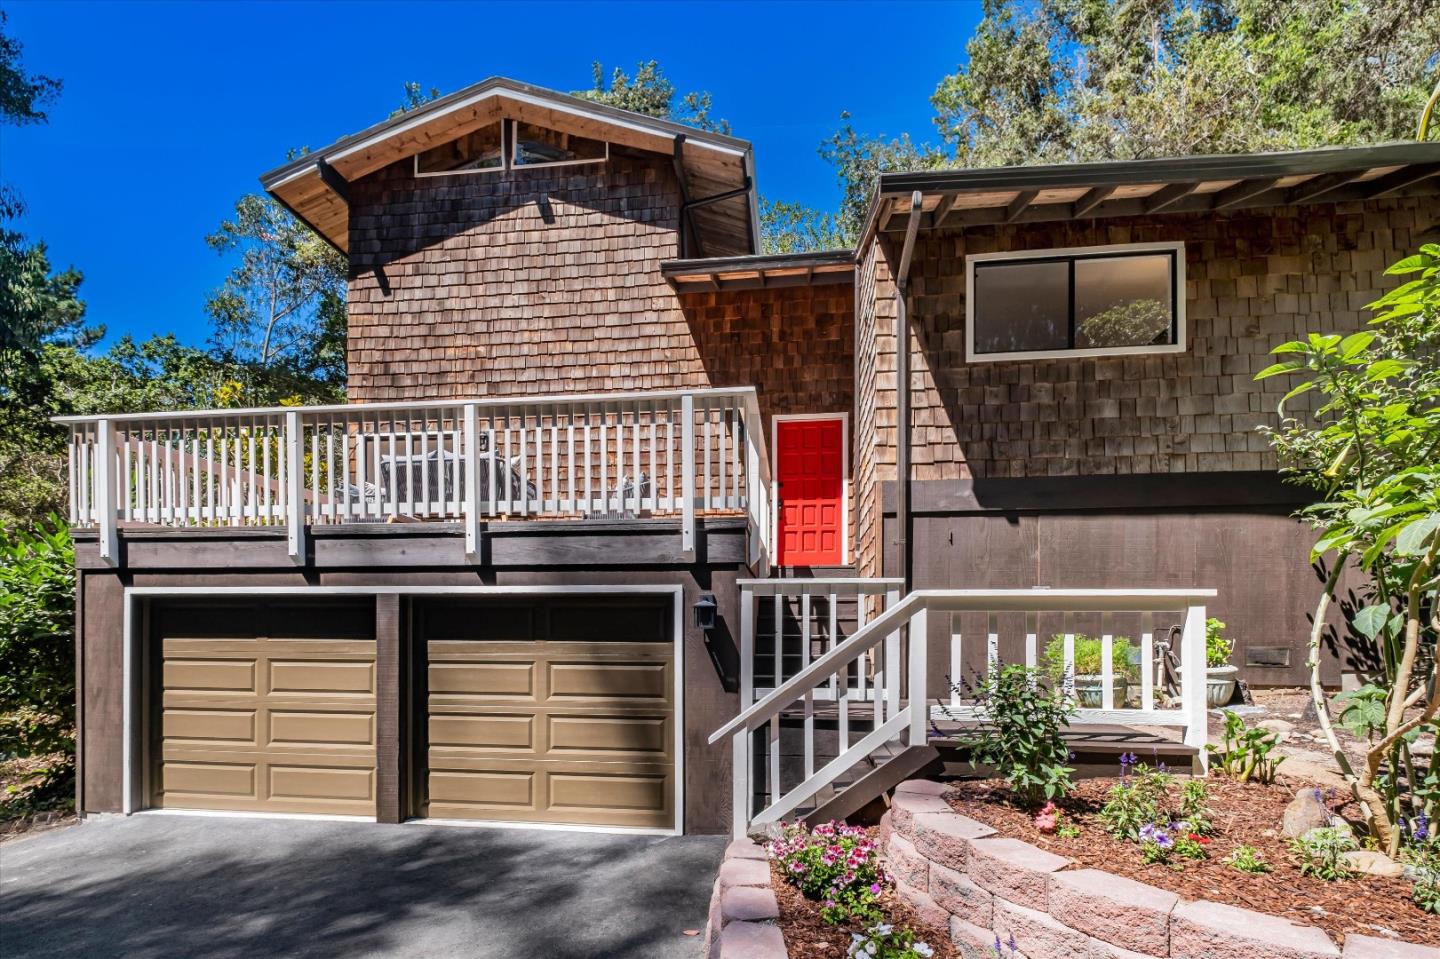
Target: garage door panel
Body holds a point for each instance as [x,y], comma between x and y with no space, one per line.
[321,678]
[296,727]
[269,725]
[210,675]
[200,725]
[507,731]
[553,727]
[610,680]
[488,679]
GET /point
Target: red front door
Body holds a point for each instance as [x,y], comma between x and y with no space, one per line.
[810,480]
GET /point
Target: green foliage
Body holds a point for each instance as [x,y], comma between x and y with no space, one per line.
[1424,857]
[885,941]
[1135,323]
[650,92]
[837,865]
[37,647]
[1321,852]
[283,304]
[1367,438]
[22,96]
[796,228]
[1244,751]
[1140,799]
[1194,807]
[1089,656]
[1020,733]
[858,160]
[1218,646]
[415,96]
[1247,858]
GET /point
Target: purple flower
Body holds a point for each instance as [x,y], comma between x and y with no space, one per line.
[875,888]
[1420,827]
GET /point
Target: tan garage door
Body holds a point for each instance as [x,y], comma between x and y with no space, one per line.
[561,711]
[267,708]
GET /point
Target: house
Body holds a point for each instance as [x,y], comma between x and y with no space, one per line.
[612,488]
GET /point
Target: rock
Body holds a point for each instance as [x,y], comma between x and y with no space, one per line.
[1279,727]
[1306,811]
[764,832]
[1367,862]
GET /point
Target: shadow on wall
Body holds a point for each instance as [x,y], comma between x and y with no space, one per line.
[214,889]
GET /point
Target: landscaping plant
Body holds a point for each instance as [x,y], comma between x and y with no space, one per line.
[837,865]
[884,941]
[37,657]
[1244,751]
[1089,656]
[1247,858]
[1321,852]
[1194,808]
[1370,449]
[1139,800]
[1218,647]
[1424,856]
[1020,733]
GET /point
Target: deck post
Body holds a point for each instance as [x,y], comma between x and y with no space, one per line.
[687,476]
[1192,657]
[295,487]
[104,491]
[918,693]
[471,463]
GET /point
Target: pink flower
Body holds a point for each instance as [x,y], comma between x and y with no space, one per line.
[875,888]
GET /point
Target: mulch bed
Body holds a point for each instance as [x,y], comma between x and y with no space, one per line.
[19,815]
[807,936]
[1242,813]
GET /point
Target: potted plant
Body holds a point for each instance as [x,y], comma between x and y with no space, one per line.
[1220,673]
[1089,680]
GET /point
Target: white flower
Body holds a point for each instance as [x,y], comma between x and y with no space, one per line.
[883,929]
[871,948]
[923,949]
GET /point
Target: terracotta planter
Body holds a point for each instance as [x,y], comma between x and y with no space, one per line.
[1090,690]
[1220,684]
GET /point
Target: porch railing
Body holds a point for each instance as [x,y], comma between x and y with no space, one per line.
[980,628]
[676,454]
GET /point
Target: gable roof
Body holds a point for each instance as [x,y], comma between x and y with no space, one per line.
[1192,184]
[314,186]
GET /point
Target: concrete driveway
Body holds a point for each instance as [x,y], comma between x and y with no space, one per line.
[163,885]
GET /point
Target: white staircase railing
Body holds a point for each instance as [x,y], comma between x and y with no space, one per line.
[672,454]
[1007,625]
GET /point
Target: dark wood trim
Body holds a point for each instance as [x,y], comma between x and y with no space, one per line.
[1168,196]
[1091,200]
[1155,491]
[1319,186]
[1243,191]
[1399,179]
[1019,205]
[79,691]
[331,178]
[389,803]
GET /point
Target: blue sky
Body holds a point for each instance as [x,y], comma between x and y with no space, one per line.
[170,111]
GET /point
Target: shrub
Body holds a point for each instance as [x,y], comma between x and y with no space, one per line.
[1194,808]
[37,653]
[1244,752]
[1020,736]
[837,865]
[1247,858]
[1217,646]
[884,941]
[1088,656]
[1139,800]
[1321,852]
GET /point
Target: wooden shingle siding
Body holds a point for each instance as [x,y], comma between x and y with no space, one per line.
[1254,280]
[866,486]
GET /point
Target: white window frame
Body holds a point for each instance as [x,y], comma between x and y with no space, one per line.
[509,143]
[775,422]
[1079,252]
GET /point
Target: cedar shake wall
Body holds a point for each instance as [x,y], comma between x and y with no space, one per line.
[1254,279]
[865,486]
[533,282]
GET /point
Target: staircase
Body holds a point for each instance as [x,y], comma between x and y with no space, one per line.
[872,688]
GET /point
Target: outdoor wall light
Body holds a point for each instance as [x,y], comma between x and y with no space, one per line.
[705,611]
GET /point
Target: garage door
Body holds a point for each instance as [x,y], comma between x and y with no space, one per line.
[266,708]
[561,711]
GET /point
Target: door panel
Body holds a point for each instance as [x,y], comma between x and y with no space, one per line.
[261,723]
[810,473]
[542,726]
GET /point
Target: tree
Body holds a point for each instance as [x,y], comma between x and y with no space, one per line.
[1048,81]
[787,227]
[415,96]
[282,308]
[650,92]
[1371,449]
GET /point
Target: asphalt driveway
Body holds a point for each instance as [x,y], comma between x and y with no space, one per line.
[158,885]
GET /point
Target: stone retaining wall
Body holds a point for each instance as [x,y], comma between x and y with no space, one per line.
[743,909]
[959,875]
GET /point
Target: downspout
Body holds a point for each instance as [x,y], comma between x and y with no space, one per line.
[902,395]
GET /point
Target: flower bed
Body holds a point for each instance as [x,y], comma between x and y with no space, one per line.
[1246,814]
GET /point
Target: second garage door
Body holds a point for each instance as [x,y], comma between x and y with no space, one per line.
[560,711]
[265,707]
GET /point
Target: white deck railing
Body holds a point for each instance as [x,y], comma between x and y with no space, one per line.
[905,701]
[673,454]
